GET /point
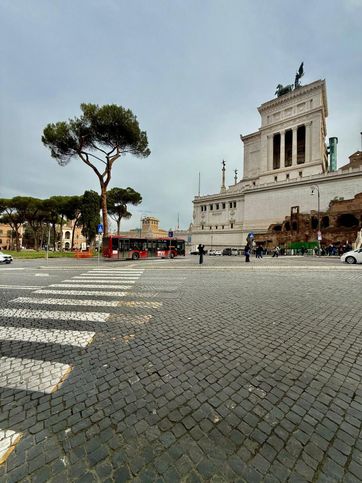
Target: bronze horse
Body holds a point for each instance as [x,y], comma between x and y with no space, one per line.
[281,90]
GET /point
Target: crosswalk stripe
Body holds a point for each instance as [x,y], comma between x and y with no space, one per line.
[132,303]
[8,441]
[116,270]
[31,374]
[84,285]
[94,303]
[52,301]
[55,314]
[97,292]
[91,280]
[104,277]
[75,338]
[19,287]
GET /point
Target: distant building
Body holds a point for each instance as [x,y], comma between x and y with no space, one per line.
[79,242]
[149,229]
[7,237]
[283,160]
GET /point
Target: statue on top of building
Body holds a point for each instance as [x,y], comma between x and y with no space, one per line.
[298,75]
[281,90]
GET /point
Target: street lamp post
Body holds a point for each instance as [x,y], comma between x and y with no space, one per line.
[314,188]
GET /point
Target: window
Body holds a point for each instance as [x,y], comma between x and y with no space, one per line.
[211,207]
[276,151]
[210,227]
[217,206]
[202,227]
[223,206]
[288,147]
[216,227]
[231,225]
[275,178]
[287,176]
[230,205]
[222,227]
[253,183]
[234,204]
[301,145]
[300,174]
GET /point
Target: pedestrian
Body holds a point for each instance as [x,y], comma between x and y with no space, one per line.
[276,252]
[259,252]
[201,251]
[247,253]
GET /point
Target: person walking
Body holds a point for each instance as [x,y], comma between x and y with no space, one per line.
[276,252]
[247,253]
[259,252]
[201,251]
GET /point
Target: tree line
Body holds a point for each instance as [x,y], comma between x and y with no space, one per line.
[40,217]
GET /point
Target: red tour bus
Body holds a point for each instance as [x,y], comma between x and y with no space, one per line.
[122,247]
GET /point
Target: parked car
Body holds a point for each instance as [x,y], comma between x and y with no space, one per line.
[226,251]
[4,258]
[234,252]
[353,256]
[218,252]
[212,252]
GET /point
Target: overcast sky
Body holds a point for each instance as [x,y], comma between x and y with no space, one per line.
[193,72]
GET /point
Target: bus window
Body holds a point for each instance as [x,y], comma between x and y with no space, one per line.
[115,243]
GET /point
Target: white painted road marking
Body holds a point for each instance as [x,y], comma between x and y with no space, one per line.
[31,374]
[83,285]
[83,292]
[104,277]
[8,440]
[55,314]
[96,292]
[151,305]
[94,303]
[20,287]
[84,281]
[75,338]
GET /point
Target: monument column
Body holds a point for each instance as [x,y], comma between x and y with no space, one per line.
[270,152]
[294,147]
[282,149]
[308,142]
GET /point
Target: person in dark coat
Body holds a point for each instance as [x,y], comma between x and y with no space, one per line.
[247,253]
[201,251]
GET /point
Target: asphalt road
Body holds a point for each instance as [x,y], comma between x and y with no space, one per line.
[169,371]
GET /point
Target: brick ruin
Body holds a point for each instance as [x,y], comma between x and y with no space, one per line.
[339,224]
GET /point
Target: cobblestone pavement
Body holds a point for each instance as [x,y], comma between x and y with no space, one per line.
[168,371]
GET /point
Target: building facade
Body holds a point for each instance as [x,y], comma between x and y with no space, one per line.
[283,160]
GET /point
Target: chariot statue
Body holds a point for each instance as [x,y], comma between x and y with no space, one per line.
[281,90]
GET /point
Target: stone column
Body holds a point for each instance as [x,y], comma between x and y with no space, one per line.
[294,147]
[282,149]
[269,162]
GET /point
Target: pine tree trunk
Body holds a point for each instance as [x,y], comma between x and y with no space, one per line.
[104,209]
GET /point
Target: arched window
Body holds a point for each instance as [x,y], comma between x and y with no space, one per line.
[67,235]
[347,220]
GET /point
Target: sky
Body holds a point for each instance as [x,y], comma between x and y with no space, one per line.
[192,71]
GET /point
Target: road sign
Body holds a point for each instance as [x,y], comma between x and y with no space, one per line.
[100,228]
[170,234]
